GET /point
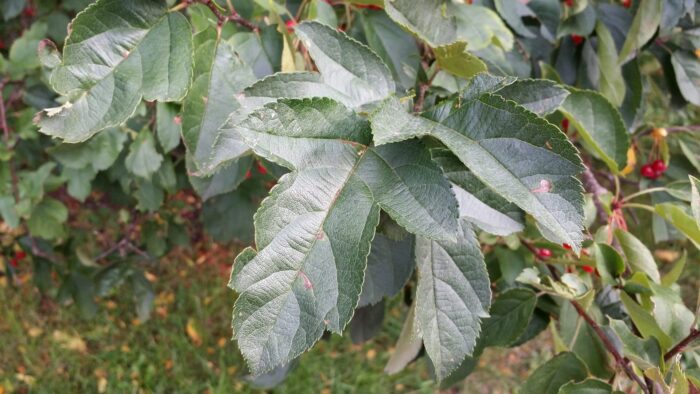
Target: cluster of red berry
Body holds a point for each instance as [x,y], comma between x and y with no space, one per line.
[19,256]
[653,170]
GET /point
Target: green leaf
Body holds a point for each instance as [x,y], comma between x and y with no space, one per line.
[366,322]
[453,295]
[608,262]
[99,152]
[600,125]
[347,65]
[507,148]
[47,218]
[226,179]
[555,373]
[687,70]
[510,314]
[588,386]
[397,48]
[672,276]
[8,211]
[512,12]
[313,233]
[646,353]
[11,8]
[455,59]
[637,255]
[695,198]
[79,182]
[540,96]
[23,52]
[681,219]
[612,84]
[389,265]
[219,75]
[644,25]
[118,52]
[645,322]
[408,345]
[441,23]
[143,159]
[168,126]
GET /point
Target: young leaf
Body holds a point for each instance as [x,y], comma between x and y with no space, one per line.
[114,56]
[143,159]
[455,59]
[637,254]
[453,295]
[521,157]
[168,126]
[555,373]
[313,233]
[681,219]
[612,84]
[600,125]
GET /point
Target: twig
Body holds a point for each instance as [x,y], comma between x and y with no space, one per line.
[680,347]
[591,184]
[422,90]
[609,346]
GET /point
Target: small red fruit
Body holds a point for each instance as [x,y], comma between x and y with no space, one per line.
[20,255]
[588,269]
[29,12]
[290,25]
[565,124]
[261,169]
[14,262]
[566,246]
[647,171]
[248,175]
[578,40]
[2,44]
[569,3]
[659,166]
[627,3]
[544,253]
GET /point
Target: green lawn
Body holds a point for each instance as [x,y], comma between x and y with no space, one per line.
[49,348]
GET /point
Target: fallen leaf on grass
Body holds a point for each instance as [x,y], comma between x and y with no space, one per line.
[193,333]
[69,342]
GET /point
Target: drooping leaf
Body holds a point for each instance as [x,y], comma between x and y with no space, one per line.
[611,83]
[644,352]
[453,296]
[645,322]
[226,179]
[408,345]
[644,25]
[389,265]
[519,156]
[313,233]
[555,373]
[600,125]
[219,75]
[509,317]
[366,322]
[687,70]
[110,63]
[681,219]
[143,159]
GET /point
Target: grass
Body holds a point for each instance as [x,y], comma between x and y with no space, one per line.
[47,348]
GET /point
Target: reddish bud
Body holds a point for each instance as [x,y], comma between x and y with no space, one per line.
[566,246]
[261,169]
[659,166]
[578,40]
[588,269]
[544,253]
[290,25]
[647,171]
[248,174]
[565,124]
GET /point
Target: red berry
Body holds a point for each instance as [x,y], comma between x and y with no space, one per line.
[14,262]
[20,255]
[647,171]
[659,166]
[566,246]
[371,6]
[544,253]
[2,44]
[588,269]
[261,169]
[627,3]
[565,124]
[578,40]
[569,3]
[290,25]
[248,174]
[29,12]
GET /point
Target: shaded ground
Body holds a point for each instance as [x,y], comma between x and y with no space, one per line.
[185,346]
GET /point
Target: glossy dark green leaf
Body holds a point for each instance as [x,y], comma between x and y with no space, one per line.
[510,314]
[646,21]
[687,72]
[366,322]
[588,386]
[389,265]
[555,373]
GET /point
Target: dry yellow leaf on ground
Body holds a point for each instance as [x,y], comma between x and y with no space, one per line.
[193,333]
